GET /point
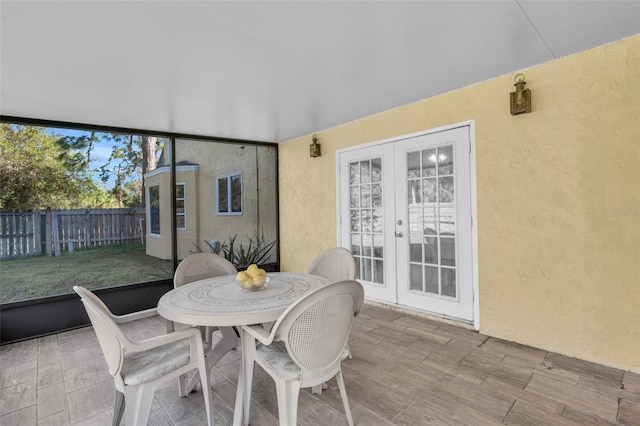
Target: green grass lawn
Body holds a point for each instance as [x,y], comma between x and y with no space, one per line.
[43,276]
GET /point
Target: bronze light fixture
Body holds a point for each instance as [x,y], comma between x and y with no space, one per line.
[521,98]
[314,148]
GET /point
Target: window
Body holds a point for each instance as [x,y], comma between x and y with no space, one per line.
[107,212]
[181,207]
[77,210]
[154,210]
[230,194]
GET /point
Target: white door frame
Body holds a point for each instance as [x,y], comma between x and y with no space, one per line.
[472,187]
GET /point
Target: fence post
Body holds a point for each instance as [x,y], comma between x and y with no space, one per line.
[56,234]
[37,237]
[88,228]
[48,230]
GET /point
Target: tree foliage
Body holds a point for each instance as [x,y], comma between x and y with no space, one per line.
[37,171]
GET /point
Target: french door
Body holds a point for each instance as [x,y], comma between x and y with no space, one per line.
[405,213]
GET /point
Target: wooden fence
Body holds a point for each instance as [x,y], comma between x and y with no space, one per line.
[34,232]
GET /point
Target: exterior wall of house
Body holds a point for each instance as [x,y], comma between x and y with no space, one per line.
[558,200]
[160,245]
[257,165]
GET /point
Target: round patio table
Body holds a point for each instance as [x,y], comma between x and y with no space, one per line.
[220,302]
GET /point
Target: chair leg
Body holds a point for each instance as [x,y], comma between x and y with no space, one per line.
[206,390]
[183,385]
[317,389]
[137,406]
[288,392]
[343,394]
[248,357]
[118,410]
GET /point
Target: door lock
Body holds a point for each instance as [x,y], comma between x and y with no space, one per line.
[399,234]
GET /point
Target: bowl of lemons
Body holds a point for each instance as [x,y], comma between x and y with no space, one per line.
[252,279]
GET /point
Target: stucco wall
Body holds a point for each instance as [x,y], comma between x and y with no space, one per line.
[558,200]
[257,165]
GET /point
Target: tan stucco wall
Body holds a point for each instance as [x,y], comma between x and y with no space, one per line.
[558,200]
[257,164]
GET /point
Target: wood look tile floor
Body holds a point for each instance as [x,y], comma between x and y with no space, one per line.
[406,370]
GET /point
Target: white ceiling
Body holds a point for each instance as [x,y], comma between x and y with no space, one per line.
[271,70]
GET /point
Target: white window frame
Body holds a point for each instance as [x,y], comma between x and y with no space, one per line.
[184,200]
[228,177]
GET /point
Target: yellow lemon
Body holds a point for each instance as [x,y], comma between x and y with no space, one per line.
[242,276]
[259,273]
[252,267]
[248,283]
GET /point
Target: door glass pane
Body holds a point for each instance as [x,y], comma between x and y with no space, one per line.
[447,220]
[366,200]
[366,270]
[365,172]
[429,162]
[415,277]
[353,173]
[377,221]
[445,160]
[415,221]
[376,170]
[378,246]
[448,280]
[356,245]
[445,189]
[414,195]
[366,221]
[429,219]
[355,220]
[378,271]
[365,196]
[415,248]
[429,194]
[354,199]
[431,236]
[413,165]
[448,251]
[430,250]
[431,279]
[376,195]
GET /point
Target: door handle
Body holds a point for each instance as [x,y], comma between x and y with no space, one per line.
[399,234]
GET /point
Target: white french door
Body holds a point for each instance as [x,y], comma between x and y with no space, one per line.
[405,213]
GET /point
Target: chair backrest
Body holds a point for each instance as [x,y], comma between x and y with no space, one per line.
[335,264]
[109,335]
[316,328]
[198,266]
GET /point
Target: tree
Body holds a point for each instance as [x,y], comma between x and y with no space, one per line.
[131,157]
[36,171]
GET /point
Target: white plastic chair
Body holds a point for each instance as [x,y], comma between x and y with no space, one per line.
[198,266]
[335,264]
[305,347]
[138,368]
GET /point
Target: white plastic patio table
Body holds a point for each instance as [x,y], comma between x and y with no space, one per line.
[221,302]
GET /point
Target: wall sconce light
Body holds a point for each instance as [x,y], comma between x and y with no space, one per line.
[314,148]
[521,98]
